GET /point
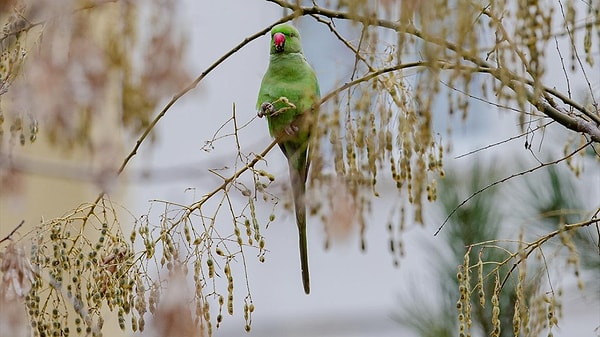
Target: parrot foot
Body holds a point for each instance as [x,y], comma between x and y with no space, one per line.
[266,109]
[291,130]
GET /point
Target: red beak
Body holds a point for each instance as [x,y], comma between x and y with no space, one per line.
[279,41]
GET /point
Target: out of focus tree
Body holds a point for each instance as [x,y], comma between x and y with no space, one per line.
[530,301]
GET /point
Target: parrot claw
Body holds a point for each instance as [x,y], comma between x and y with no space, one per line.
[266,109]
[291,130]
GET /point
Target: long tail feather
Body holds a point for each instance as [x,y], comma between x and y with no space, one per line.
[298,181]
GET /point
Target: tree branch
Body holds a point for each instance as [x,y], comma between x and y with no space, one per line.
[175,98]
[506,179]
[539,242]
[571,122]
[226,181]
[9,236]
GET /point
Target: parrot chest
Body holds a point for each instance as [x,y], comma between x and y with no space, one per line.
[290,85]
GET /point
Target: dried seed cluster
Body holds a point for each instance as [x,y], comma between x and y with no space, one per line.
[79,271]
[513,295]
[463,305]
[12,57]
[566,239]
[17,273]
[72,61]
[376,131]
[212,258]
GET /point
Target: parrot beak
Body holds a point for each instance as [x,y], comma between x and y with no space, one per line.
[279,41]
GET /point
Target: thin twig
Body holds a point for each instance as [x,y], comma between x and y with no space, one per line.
[575,52]
[226,181]
[566,120]
[9,236]
[31,25]
[506,179]
[503,141]
[182,93]
[539,242]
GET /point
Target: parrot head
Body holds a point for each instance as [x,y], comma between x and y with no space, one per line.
[285,38]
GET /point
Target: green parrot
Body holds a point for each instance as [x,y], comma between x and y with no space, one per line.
[288,91]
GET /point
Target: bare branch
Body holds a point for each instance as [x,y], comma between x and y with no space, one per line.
[9,236]
[506,179]
[182,93]
[531,247]
[503,141]
[500,74]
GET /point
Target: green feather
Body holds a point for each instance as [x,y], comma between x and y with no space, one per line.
[290,86]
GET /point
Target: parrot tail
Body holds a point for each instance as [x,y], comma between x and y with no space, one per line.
[298,181]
